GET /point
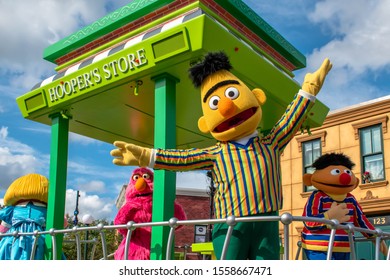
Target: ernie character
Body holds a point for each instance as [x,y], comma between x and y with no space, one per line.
[245,167]
[334,180]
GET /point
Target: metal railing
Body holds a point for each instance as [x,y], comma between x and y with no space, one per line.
[286,219]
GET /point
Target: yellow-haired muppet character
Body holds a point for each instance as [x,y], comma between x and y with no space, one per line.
[25,211]
[245,167]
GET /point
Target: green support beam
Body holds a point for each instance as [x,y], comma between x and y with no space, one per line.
[164,190]
[57,182]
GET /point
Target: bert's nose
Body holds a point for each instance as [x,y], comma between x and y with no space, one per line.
[226,107]
[345,179]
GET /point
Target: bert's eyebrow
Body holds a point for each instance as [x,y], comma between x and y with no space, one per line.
[218,85]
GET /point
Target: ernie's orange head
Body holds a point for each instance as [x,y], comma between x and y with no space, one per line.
[333,174]
[230,109]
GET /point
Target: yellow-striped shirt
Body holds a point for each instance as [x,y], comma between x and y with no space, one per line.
[247,177]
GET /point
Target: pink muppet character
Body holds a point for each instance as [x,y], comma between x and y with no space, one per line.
[138,208]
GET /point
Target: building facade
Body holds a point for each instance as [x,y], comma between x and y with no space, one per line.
[360,132]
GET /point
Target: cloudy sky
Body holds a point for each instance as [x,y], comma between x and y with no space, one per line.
[354,34]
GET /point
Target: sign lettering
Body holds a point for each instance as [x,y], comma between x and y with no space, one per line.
[95,76]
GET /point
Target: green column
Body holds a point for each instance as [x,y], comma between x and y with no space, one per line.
[164,181]
[57,181]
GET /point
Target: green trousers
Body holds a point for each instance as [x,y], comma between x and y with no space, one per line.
[250,240]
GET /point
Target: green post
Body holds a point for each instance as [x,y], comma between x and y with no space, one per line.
[57,181]
[164,193]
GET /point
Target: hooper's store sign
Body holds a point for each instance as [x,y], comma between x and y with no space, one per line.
[97,75]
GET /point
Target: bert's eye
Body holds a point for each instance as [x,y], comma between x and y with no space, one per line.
[145,176]
[232,93]
[213,102]
[349,172]
[335,171]
[136,177]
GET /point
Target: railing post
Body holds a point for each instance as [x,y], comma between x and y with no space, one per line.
[35,243]
[130,227]
[299,244]
[231,222]
[331,239]
[286,219]
[170,245]
[378,240]
[351,241]
[78,242]
[100,228]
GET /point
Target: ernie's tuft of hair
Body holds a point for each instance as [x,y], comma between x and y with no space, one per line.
[333,159]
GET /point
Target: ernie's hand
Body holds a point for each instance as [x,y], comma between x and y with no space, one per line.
[338,212]
[130,154]
[313,81]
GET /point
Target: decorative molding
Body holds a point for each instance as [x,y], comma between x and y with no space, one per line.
[115,16]
[304,138]
[375,205]
[358,112]
[374,185]
[369,196]
[366,123]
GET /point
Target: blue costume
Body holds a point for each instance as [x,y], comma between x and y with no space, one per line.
[27,217]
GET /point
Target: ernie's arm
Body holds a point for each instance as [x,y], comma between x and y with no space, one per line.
[360,220]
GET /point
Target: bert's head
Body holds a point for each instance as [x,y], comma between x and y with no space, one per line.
[230,109]
[333,174]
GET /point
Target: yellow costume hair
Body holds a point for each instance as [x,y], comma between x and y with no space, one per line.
[28,187]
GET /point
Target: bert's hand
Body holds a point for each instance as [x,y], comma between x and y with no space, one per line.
[130,154]
[313,81]
[338,212]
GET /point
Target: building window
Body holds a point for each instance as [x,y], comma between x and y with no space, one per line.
[371,146]
[311,150]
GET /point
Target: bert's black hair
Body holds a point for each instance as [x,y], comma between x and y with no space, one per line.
[333,159]
[212,62]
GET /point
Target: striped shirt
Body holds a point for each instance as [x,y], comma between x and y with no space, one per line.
[315,235]
[246,177]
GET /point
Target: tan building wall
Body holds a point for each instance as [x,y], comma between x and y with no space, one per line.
[339,133]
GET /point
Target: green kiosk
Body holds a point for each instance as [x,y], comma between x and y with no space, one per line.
[125,77]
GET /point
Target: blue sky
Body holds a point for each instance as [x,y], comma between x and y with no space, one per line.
[354,34]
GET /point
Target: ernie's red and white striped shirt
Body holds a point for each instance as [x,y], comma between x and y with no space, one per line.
[315,235]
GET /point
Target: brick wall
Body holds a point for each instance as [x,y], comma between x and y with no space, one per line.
[196,207]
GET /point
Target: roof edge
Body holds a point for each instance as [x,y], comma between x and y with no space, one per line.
[103,26]
[259,26]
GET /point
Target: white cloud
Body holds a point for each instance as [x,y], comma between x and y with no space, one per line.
[359,48]
[89,204]
[17,159]
[34,25]
[362,33]
[92,186]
